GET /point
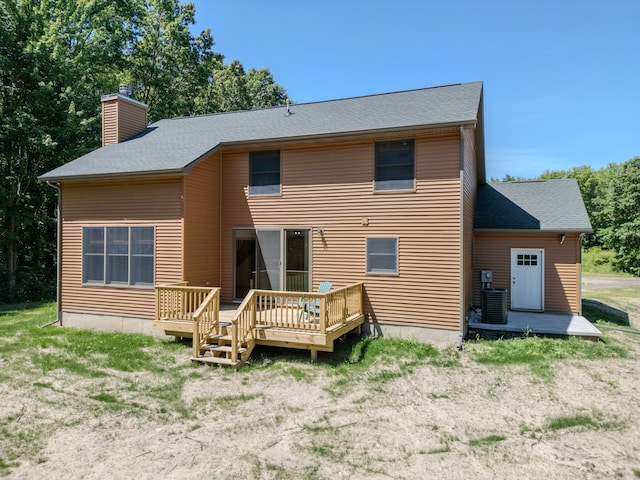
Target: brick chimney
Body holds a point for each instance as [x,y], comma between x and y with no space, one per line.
[122,117]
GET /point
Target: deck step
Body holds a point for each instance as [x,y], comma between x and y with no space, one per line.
[219,337]
[214,360]
[222,348]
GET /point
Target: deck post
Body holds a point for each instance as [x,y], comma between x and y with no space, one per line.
[157,304]
[345,308]
[195,339]
[323,314]
[314,355]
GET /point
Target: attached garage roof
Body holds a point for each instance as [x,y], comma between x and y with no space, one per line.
[173,145]
[545,206]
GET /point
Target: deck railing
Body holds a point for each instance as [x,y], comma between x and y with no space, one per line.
[299,310]
[179,301]
[343,304]
[206,320]
[242,324]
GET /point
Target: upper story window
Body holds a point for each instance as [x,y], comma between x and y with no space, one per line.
[264,173]
[395,166]
[118,256]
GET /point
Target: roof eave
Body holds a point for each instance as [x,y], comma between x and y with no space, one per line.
[185,170]
[105,176]
[532,230]
[351,133]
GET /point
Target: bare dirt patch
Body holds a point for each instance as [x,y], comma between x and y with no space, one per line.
[290,419]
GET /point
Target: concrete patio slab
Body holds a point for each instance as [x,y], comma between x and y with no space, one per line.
[540,324]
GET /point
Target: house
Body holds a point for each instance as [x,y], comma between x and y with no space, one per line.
[387,191]
[528,235]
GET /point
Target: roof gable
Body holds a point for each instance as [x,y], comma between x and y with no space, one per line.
[549,205]
[172,145]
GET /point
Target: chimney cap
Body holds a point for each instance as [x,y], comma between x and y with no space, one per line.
[125,90]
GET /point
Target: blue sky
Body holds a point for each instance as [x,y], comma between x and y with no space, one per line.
[561,77]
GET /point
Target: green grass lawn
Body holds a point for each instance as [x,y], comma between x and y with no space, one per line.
[613,306]
[99,374]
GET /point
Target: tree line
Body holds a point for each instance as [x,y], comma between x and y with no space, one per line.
[612,198]
[57,58]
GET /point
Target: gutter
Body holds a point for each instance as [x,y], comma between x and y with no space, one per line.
[178,172]
[58,254]
[530,230]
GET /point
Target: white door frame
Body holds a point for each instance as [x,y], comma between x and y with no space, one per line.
[527,288]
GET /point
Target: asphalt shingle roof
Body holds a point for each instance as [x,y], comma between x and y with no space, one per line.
[548,205]
[172,145]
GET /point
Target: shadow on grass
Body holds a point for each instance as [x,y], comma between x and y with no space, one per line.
[14,308]
[598,312]
[343,348]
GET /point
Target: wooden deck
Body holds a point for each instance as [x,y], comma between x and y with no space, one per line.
[310,321]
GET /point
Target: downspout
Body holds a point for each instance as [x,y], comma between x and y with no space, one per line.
[58,253]
[220,267]
[462,265]
[580,273]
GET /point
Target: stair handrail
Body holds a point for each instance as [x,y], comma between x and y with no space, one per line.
[243,323]
[206,319]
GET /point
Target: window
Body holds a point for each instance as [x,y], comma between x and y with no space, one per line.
[527,260]
[93,254]
[118,255]
[382,256]
[395,165]
[264,173]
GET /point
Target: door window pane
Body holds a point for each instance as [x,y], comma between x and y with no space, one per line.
[269,259]
[297,260]
[245,262]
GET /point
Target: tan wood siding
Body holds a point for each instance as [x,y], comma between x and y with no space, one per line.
[470,185]
[109,122]
[148,203]
[561,265]
[202,223]
[332,187]
[121,119]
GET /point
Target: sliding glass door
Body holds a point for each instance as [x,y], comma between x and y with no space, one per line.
[270,259]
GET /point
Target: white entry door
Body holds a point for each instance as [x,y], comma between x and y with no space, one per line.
[527,280]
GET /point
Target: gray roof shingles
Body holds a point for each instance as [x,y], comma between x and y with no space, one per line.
[546,206]
[172,145]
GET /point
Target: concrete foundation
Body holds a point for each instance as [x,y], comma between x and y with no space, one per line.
[110,323]
[434,336]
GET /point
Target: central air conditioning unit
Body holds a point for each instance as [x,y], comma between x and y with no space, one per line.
[494,305]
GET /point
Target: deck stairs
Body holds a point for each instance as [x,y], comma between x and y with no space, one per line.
[218,349]
[301,320]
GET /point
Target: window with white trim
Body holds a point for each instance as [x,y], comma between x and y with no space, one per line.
[264,173]
[382,255]
[118,256]
[395,166]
